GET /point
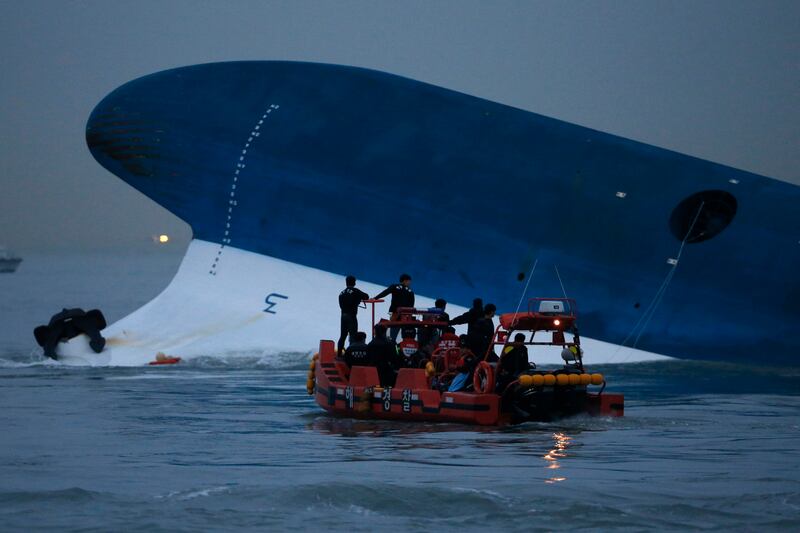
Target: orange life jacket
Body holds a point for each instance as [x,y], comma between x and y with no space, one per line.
[409,347]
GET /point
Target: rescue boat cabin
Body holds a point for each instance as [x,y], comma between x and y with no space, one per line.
[555,316]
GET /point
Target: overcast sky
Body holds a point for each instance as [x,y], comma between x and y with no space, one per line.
[719,80]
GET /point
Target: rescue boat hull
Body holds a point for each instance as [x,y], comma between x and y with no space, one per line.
[356,393]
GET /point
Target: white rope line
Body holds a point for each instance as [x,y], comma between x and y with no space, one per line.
[526,285]
[669,277]
[656,302]
[650,305]
[659,296]
[560,282]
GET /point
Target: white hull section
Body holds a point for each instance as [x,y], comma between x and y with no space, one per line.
[226,314]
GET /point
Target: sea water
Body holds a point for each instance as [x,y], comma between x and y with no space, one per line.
[228,442]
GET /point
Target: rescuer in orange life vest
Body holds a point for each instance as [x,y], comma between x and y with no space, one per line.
[402,296]
[349,299]
[448,340]
[408,346]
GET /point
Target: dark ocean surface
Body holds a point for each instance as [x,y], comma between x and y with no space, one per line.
[227,443]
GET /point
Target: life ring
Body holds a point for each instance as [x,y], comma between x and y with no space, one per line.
[483,380]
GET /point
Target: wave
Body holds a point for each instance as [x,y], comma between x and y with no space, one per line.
[250,359]
[70,495]
[234,360]
[652,381]
[371,505]
[17,358]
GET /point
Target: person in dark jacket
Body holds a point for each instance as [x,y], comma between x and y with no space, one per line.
[356,354]
[482,333]
[382,353]
[402,296]
[513,362]
[349,299]
[429,335]
[470,317]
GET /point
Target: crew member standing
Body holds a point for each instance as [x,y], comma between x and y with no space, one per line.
[349,299]
[402,296]
[482,333]
[471,316]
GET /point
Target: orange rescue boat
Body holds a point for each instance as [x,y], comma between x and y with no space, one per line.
[419,394]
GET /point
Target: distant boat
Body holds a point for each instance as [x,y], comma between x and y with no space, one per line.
[8,261]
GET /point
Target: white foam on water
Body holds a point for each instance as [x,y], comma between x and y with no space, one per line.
[192,494]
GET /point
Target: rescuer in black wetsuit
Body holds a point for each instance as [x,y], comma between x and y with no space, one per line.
[402,296]
[470,317]
[70,323]
[349,299]
[382,353]
[356,354]
[482,333]
[513,362]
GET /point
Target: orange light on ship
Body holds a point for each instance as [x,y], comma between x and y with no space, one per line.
[556,322]
[163,239]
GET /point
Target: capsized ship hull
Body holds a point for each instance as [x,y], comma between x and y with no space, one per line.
[345,170]
[258,307]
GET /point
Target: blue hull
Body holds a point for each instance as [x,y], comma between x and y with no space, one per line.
[357,171]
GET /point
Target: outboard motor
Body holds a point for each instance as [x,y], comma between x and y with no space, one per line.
[70,323]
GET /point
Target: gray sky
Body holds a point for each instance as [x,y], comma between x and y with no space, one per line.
[716,79]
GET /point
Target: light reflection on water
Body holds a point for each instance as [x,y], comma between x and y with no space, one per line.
[561,443]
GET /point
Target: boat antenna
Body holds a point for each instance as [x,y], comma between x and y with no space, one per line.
[651,309]
[560,282]
[525,290]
